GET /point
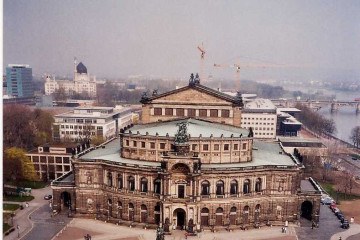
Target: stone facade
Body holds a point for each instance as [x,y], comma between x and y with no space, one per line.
[154,178]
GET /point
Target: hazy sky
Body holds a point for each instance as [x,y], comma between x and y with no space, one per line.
[159,38]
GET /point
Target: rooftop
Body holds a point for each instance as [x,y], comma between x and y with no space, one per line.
[266,154]
[195,128]
[260,104]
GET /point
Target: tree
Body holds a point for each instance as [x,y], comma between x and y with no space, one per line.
[18,132]
[43,121]
[355,136]
[60,95]
[17,166]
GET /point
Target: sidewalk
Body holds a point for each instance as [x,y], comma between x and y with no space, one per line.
[353,230]
[22,216]
[107,231]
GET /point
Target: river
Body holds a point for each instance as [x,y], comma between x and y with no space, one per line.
[345,118]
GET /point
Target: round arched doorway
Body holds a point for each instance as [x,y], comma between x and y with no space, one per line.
[180,218]
[65,199]
[306,210]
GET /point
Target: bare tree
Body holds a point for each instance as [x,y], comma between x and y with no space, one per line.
[355,136]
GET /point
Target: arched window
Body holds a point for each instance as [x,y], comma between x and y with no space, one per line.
[157,210]
[119,209]
[205,188]
[120,181]
[157,186]
[232,215]
[246,215]
[143,213]
[109,202]
[246,188]
[219,215]
[233,187]
[144,185]
[219,187]
[131,212]
[258,185]
[109,179]
[204,217]
[257,213]
[131,183]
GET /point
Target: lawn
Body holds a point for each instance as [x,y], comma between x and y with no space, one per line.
[10,206]
[28,184]
[6,227]
[329,188]
[18,198]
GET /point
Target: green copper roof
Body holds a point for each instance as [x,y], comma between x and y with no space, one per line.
[195,128]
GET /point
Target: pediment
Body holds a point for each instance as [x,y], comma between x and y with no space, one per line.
[191,95]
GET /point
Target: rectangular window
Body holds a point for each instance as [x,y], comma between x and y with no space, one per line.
[126,142]
[66,160]
[194,146]
[157,111]
[213,113]
[134,144]
[226,147]
[168,111]
[206,147]
[244,146]
[58,159]
[216,147]
[236,146]
[180,112]
[162,145]
[202,112]
[191,112]
[152,145]
[143,144]
[225,113]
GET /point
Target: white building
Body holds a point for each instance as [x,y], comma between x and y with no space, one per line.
[91,122]
[260,115]
[82,82]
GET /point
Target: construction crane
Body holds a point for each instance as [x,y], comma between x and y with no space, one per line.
[237,67]
[202,60]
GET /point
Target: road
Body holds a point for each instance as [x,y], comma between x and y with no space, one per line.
[328,226]
[35,221]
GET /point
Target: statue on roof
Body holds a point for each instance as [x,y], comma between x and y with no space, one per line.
[197,79]
[155,92]
[191,80]
[144,97]
[181,136]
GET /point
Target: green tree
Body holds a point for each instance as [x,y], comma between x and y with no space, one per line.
[17,166]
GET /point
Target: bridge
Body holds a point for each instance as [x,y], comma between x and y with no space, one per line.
[317,104]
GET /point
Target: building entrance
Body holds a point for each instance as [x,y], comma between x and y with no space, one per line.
[180,216]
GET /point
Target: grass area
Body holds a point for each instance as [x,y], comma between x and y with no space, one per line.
[329,188]
[10,206]
[6,227]
[28,184]
[357,156]
[18,198]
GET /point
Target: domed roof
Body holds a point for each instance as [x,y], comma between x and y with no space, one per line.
[80,68]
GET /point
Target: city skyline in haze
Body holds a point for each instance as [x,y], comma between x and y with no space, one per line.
[115,39]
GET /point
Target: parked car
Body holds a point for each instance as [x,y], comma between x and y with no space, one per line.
[344,220]
[345,224]
[327,201]
[340,215]
[48,197]
[332,206]
[336,211]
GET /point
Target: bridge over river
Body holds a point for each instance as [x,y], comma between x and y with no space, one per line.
[318,104]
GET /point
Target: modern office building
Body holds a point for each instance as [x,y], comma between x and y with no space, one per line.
[260,115]
[189,170]
[19,81]
[89,122]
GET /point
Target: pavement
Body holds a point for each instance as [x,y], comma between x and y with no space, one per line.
[21,218]
[352,233]
[78,228]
